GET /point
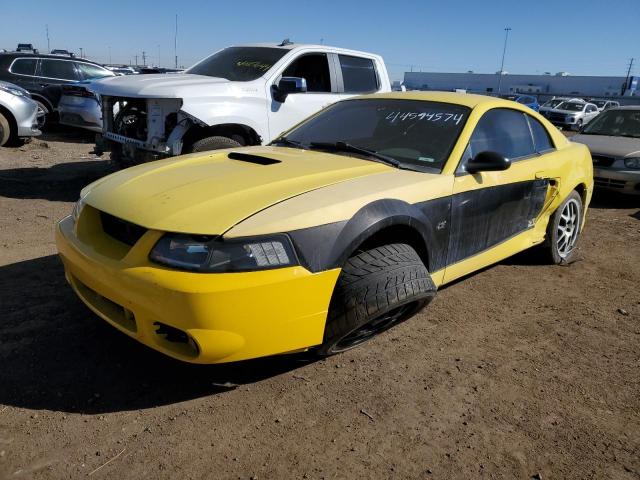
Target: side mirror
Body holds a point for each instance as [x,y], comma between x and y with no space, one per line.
[487,162]
[288,85]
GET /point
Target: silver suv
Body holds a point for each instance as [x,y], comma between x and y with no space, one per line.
[572,114]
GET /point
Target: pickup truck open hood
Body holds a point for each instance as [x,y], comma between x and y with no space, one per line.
[176,85]
[208,193]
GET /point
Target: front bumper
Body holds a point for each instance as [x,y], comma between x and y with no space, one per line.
[624,181]
[224,317]
[25,111]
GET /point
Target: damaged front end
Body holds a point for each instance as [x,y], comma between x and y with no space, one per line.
[143,129]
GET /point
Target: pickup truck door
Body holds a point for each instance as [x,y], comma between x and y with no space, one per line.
[496,214]
[317,68]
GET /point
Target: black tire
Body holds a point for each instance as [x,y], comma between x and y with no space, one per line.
[214,143]
[566,221]
[119,161]
[578,125]
[5,130]
[377,289]
[44,114]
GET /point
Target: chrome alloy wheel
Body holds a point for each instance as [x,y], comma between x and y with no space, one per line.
[568,228]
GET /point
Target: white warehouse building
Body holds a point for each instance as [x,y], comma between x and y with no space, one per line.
[559,84]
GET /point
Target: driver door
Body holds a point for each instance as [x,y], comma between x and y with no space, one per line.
[318,71]
[493,213]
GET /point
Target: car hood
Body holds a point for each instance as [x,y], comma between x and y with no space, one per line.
[208,193]
[165,85]
[609,145]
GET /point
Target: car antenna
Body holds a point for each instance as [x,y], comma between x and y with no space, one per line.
[285,42]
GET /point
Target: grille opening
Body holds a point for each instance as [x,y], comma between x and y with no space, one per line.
[110,309]
[177,340]
[123,231]
[602,160]
[250,158]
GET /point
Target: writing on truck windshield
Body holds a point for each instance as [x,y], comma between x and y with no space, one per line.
[239,64]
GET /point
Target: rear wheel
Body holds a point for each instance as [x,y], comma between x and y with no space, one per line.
[377,289]
[564,230]
[43,114]
[214,143]
[5,130]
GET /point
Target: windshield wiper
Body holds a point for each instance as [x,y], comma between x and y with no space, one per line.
[347,147]
[289,143]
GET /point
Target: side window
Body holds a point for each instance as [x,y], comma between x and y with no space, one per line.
[358,74]
[503,131]
[541,139]
[314,68]
[24,66]
[59,69]
[90,72]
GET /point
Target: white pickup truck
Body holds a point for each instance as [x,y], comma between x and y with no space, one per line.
[241,95]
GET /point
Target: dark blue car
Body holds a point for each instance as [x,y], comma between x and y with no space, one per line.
[528,100]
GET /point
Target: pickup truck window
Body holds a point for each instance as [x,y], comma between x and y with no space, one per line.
[358,74]
[239,64]
[314,68]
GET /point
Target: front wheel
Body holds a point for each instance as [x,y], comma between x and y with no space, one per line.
[564,230]
[5,130]
[377,289]
[214,143]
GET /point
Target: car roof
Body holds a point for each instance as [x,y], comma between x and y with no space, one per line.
[302,46]
[44,55]
[626,107]
[470,100]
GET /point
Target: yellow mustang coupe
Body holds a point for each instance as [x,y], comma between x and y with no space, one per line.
[338,230]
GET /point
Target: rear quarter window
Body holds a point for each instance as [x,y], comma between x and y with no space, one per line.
[358,74]
[541,139]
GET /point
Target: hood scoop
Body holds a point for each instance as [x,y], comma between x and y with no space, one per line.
[251,158]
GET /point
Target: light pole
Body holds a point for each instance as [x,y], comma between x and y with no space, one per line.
[81,53]
[48,45]
[110,56]
[504,51]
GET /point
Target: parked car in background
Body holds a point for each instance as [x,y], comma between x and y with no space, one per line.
[614,141]
[26,48]
[241,95]
[65,53]
[18,113]
[44,75]
[337,231]
[551,104]
[80,107]
[527,100]
[572,114]
[605,104]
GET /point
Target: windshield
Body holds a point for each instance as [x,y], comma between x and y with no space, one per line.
[239,64]
[617,123]
[414,133]
[552,103]
[571,106]
[600,103]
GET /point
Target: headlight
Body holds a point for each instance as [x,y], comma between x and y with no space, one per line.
[15,90]
[212,254]
[77,209]
[633,162]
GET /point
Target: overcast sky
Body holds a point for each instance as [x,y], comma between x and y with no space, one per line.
[587,37]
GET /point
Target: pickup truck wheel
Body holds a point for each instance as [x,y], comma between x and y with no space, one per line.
[377,289]
[563,231]
[214,143]
[5,130]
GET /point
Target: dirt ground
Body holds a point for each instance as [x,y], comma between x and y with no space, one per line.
[520,371]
